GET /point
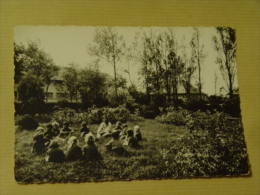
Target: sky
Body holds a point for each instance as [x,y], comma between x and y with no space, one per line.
[69,44]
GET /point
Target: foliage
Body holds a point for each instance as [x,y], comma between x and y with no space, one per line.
[226,47]
[71,80]
[108,46]
[198,56]
[43,118]
[95,115]
[195,104]
[27,122]
[32,60]
[212,123]
[173,116]
[167,152]
[92,87]
[31,94]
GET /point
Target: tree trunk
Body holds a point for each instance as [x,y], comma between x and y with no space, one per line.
[199,66]
[114,64]
[46,95]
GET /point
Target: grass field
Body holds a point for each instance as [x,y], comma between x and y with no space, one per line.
[167,151]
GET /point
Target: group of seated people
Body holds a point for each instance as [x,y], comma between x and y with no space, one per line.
[47,141]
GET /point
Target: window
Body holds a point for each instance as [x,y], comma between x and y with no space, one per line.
[49,95]
[62,95]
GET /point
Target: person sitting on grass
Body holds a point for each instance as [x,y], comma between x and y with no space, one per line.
[49,134]
[74,151]
[130,140]
[115,145]
[104,128]
[40,129]
[90,151]
[118,127]
[54,154]
[38,145]
[65,132]
[84,129]
[137,133]
[55,128]
[123,133]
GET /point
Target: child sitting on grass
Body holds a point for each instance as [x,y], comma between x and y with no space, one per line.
[38,145]
[40,130]
[104,128]
[90,151]
[123,133]
[137,133]
[65,132]
[115,144]
[55,128]
[130,140]
[118,127]
[74,151]
[84,129]
[49,134]
[54,154]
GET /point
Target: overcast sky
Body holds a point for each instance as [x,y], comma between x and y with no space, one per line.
[67,44]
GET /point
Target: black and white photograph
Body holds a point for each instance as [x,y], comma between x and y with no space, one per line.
[111,103]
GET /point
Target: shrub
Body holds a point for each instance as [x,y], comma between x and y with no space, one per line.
[173,115]
[196,104]
[27,122]
[211,122]
[93,115]
[232,106]
[43,118]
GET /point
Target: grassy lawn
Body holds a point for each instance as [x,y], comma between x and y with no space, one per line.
[167,151]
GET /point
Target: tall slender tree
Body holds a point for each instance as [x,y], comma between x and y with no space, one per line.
[198,56]
[188,69]
[109,46]
[226,46]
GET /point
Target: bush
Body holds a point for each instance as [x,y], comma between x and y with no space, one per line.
[149,112]
[27,122]
[173,115]
[196,104]
[232,106]
[93,115]
[43,118]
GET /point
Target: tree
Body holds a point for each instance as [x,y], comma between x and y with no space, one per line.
[19,52]
[226,47]
[198,56]
[175,64]
[31,94]
[34,61]
[109,46]
[92,87]
[70,77]
[151,67]
[188,71]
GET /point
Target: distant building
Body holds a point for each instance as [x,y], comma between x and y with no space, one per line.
[182,94]
[194,92]
[56,91]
